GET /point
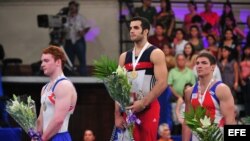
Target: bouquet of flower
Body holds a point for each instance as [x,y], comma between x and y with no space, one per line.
[202,126]
[24,113]
[118,86]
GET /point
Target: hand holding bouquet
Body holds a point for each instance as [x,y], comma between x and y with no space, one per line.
[24,113]
[201,125]
[118,86]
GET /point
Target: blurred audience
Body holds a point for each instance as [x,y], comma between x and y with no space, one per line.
[88,135]
[166,17]
[164,132]
[192,8]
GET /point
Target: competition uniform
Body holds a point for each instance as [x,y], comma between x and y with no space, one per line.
[141,86]
[48,102]
[210,102]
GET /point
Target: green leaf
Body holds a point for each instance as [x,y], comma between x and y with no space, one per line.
[104,67]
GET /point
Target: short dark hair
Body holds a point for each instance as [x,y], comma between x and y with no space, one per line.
[191,2]
[73,2]
[209,56]
[145,24]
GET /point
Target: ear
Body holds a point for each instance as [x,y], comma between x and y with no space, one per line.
[213,67]
[58,62]
[146,32]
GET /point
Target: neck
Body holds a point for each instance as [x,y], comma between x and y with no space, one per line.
[205,80]
[54,76]
[140,44]
[181,68]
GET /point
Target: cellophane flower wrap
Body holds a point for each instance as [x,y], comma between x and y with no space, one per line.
[202,126]
[23,111]
[118,86]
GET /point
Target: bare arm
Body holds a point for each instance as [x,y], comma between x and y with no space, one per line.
[64,93]
[186,132]
[172,24]
[227,106]
[160,72]
[174,92]
[119,121]
[39,122]
[236,75]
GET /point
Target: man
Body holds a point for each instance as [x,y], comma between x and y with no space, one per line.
[164,132]
[75,45]
[148,74]
[211,94]
[88,135]
[58,97]
[211,17]
[158,39]
[177,78]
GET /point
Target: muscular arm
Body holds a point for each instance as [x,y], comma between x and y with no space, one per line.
[227,106]
[186,132]
[119,121]
[64,93]
[160,72]
[39,122]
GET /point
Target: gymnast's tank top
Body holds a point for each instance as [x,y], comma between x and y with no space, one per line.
[48,102]
[211,103]
[145,80]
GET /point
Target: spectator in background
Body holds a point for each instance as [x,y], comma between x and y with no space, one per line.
[195,38]
[88,135]
[75,45]
[229,69]
[179,41]
[164,132]
[198,21]
[192,8]
[166,16]
[165,98]
[170,60]
[226,12]
[245,77]
[211,17]
[189,53]
[248,34]
[147,11]
[212,45]
[158,39]
[230,23]
[230,40]
[177,78]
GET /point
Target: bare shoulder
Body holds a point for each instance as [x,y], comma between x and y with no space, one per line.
[222,90]
[188,92]
[157,55]
[65,86]
[122,58]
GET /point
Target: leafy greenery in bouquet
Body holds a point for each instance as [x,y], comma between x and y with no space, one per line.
[118,86]
[115,79]
[24,113]
[246,120]
[202,126]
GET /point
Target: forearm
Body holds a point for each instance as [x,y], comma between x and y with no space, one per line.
[157,90]
[39,125]
[52,129]
[186,132]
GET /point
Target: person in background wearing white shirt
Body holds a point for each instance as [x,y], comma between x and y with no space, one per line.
[75,45]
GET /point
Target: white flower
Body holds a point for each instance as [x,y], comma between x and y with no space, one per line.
[121,71]
[205,122]
[199,129]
